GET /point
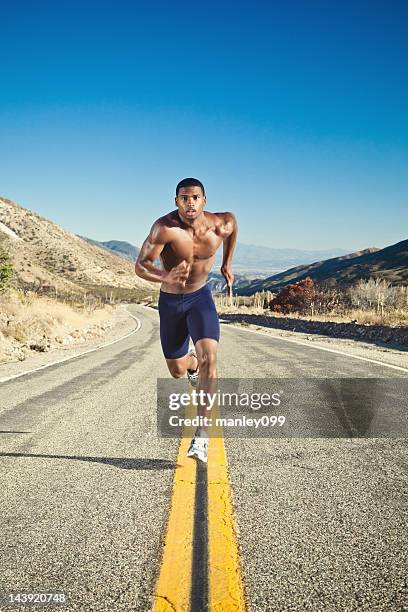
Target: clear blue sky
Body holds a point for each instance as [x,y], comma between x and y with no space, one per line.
[294,116]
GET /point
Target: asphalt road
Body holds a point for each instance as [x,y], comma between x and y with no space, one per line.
[86,486]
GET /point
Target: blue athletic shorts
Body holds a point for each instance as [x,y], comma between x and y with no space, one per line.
[183,315]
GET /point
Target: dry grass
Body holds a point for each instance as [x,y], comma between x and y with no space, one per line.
[31,321]
[371,317]
[32,306]
[241,309]
[370,302]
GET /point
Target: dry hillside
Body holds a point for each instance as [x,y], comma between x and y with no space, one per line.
[46,255]
[390,264]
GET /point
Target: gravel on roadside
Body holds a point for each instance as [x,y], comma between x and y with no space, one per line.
[392,356]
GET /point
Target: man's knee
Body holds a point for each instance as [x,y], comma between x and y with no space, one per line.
[176,370]
[207,360]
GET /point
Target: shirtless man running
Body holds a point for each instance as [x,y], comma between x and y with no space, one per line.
[186,241]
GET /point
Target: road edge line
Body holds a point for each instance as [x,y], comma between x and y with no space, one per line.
[320,348]
[293,341]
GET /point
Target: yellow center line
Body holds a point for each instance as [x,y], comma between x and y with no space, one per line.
[173,589]
[174,584]
[226,592]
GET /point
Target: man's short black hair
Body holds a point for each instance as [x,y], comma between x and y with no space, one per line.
[190,182]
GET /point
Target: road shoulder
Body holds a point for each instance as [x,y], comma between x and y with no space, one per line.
[392,356]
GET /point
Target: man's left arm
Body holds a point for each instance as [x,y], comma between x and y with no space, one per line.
[230,232]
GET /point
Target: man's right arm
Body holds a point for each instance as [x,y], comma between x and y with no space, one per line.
[150,251]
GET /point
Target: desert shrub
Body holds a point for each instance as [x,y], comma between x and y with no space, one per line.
[6,269]
[376,293]
[297,297]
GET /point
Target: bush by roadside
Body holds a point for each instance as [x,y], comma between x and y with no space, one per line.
[368,302]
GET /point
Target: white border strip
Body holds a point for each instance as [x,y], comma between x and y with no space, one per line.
[320,348]
[48,365]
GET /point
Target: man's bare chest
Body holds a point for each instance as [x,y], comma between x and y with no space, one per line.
[193,247]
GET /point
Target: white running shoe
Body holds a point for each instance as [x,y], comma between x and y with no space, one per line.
[192,375]
[199,448]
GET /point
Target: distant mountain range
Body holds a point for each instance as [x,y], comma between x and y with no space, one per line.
[390,263]
[119,247]
[250,261]
[217,282]
[261,261]
[253,265]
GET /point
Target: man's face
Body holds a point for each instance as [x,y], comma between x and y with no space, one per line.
[190,202]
